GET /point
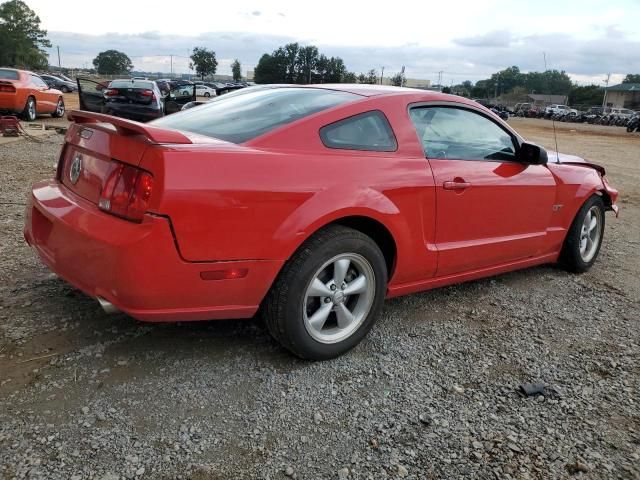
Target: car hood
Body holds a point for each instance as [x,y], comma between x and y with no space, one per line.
[555,157]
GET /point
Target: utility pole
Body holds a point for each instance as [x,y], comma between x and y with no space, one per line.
[381,75]
[59,64]
[402,77]
[171,56]
[440,79]
[606,85]
[495,90]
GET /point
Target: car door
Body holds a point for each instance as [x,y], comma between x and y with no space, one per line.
[91,95]
[491,209]
[177,97]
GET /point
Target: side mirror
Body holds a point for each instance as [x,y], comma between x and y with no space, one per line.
[532,154]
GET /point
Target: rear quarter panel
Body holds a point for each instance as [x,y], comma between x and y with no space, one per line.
[262,200]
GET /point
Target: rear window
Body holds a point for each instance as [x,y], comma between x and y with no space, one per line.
[145,84]
[9,74]
[240,118]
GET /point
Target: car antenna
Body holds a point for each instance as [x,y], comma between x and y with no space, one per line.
[553,122]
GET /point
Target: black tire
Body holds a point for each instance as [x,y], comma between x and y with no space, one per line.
[30,110]
[282,309]
[207,94]
[570,257]
[58,112]
[64,89]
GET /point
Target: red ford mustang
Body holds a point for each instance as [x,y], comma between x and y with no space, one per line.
[311,204]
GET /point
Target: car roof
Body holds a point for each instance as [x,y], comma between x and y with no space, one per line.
[365,90]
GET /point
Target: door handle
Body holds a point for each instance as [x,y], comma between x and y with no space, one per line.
[455,185]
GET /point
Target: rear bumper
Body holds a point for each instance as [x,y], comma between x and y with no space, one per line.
[132,112]
[136,267]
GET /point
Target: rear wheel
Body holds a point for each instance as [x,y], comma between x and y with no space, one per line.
[582,245]
[328,295]
[59,111]
[207,94]
[64,89]
[29,113]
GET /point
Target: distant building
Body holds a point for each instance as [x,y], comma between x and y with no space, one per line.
[542,100]
[625,95]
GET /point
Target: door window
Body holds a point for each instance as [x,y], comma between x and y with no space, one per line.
[38,82]
[457,133]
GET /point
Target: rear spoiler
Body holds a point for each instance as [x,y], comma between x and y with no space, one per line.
[129,127]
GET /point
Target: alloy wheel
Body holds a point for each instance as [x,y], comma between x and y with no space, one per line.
[590,233]
[339,297]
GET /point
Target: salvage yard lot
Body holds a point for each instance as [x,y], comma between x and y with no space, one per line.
[431,393]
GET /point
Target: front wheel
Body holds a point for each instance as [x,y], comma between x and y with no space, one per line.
[583,241]
[328,295]
[207,94]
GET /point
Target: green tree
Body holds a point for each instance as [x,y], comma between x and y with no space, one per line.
[371,77]
[349,77]
[21,39]
[586,95]
[632,78]
[203,61]
[397,80]
[236,69]
[293,63]
[112,62]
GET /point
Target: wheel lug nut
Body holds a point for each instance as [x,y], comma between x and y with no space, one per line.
[327,300]
[333,287]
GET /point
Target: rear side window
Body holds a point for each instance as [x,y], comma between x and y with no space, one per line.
[367,131]
[241,118]
[9,74]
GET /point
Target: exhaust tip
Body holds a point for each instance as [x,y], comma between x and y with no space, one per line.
[108,307]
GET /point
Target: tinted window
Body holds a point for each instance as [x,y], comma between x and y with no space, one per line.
[367,131]
[243,117]
[9,74]
[144,84]
[462,134]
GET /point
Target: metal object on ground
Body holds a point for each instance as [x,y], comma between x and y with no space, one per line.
[10,126]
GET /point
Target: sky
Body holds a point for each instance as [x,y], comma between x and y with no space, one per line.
[463,39]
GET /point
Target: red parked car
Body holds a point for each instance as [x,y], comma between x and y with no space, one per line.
[309,203]
[26,94]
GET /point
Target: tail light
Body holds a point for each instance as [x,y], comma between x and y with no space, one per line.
[111,92]
[148,93]
[126,192]
[7,88]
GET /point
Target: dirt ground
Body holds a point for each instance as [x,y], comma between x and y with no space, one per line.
[431,393]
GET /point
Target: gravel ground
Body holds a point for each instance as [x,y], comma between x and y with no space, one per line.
[431,393]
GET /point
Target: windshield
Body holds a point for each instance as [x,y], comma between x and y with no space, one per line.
[239,118]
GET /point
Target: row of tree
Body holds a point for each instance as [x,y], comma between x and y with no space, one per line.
[203,61]
[293,63]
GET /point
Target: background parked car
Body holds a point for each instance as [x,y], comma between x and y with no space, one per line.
[26,94]
[140,100]
[205,91]
[58,83]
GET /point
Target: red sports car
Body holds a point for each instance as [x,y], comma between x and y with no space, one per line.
[309,203]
